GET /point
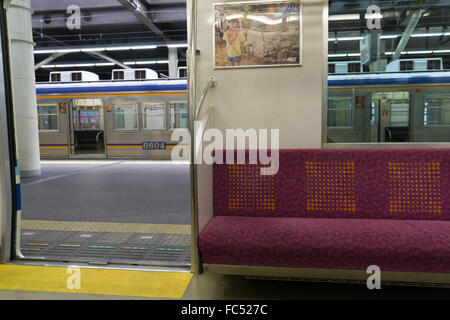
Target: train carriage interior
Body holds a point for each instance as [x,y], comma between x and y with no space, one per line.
[276,149]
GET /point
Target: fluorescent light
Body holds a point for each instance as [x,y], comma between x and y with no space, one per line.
[354,54]
[143,47]
[92,49]
[117,48]
[182,45]
[419,52]
[441,51]
[44,51]
[337,55]
[67,50]
[343,17]
[162,61]
[146,62]
[390,36]
[431,34]
[349,38]
[369,16]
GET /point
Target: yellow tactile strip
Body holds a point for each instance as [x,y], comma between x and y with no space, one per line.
[130,283]
[105,227]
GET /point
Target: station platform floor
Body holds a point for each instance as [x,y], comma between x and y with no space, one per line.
[108,211]
[152,192]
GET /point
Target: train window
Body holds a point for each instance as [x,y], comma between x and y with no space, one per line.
[48,118]
[331,68]
[437,110]
[406,65]
[139,74]
[76,76]
[118,75]
[126,117]
[434,64]
[179,116]
[354,67]
[55,77]
[154,116]
[340,112]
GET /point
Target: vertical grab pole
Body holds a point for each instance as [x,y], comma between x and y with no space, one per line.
[191,63]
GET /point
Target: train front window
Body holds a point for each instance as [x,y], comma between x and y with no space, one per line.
[437,111]
[179,115]
[48,118]
[154,116]
[126,117]
[340,112]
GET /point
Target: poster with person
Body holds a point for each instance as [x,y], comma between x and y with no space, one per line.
[257,34]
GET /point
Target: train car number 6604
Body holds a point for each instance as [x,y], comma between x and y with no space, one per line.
[154,145]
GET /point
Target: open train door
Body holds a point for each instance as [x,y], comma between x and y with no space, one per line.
[87,128]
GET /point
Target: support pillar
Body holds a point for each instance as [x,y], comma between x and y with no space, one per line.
[24,87]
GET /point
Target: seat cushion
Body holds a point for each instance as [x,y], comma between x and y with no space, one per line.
[353,244]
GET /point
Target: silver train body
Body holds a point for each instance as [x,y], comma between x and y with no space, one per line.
[389,107]
[113,119]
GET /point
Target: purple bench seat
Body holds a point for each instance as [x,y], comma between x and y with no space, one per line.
[334,209]
[351,244]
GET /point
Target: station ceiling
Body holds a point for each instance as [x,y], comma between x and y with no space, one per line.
[137,23]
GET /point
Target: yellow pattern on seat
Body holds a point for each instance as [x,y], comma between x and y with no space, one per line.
[415,187]
[330,186]
[249,190]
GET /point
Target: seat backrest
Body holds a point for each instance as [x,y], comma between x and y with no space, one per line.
[410,184]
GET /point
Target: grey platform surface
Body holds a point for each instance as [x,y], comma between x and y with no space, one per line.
[109,192]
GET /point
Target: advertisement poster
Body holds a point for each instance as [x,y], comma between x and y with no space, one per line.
[257,34]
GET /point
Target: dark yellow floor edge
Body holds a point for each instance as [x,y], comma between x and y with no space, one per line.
[129,283]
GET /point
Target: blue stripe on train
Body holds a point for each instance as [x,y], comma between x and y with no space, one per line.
[387,81]
[148,87]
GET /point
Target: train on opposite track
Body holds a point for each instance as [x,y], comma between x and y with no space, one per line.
[131,116]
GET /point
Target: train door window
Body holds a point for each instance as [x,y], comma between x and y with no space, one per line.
[88,114]
[331,68]
[354,67]
[437,111]
[179,116]
[406,65]
[76,76]
[154,116]
[373,114]
[48,117]
[139,74]
[434,64]
[399,114]
[55,77]
[118,75]
[126,117]
[340,112]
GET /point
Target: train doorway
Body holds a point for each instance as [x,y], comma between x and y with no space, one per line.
[87,128]
[390,117]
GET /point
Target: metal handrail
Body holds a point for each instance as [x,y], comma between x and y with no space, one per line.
[201,128]
[210,84]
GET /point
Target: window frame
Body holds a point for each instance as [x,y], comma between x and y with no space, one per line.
[170,103]
[57,117]
[144,117]
[352,126]
[136,116]
[120,72]
[433,126]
